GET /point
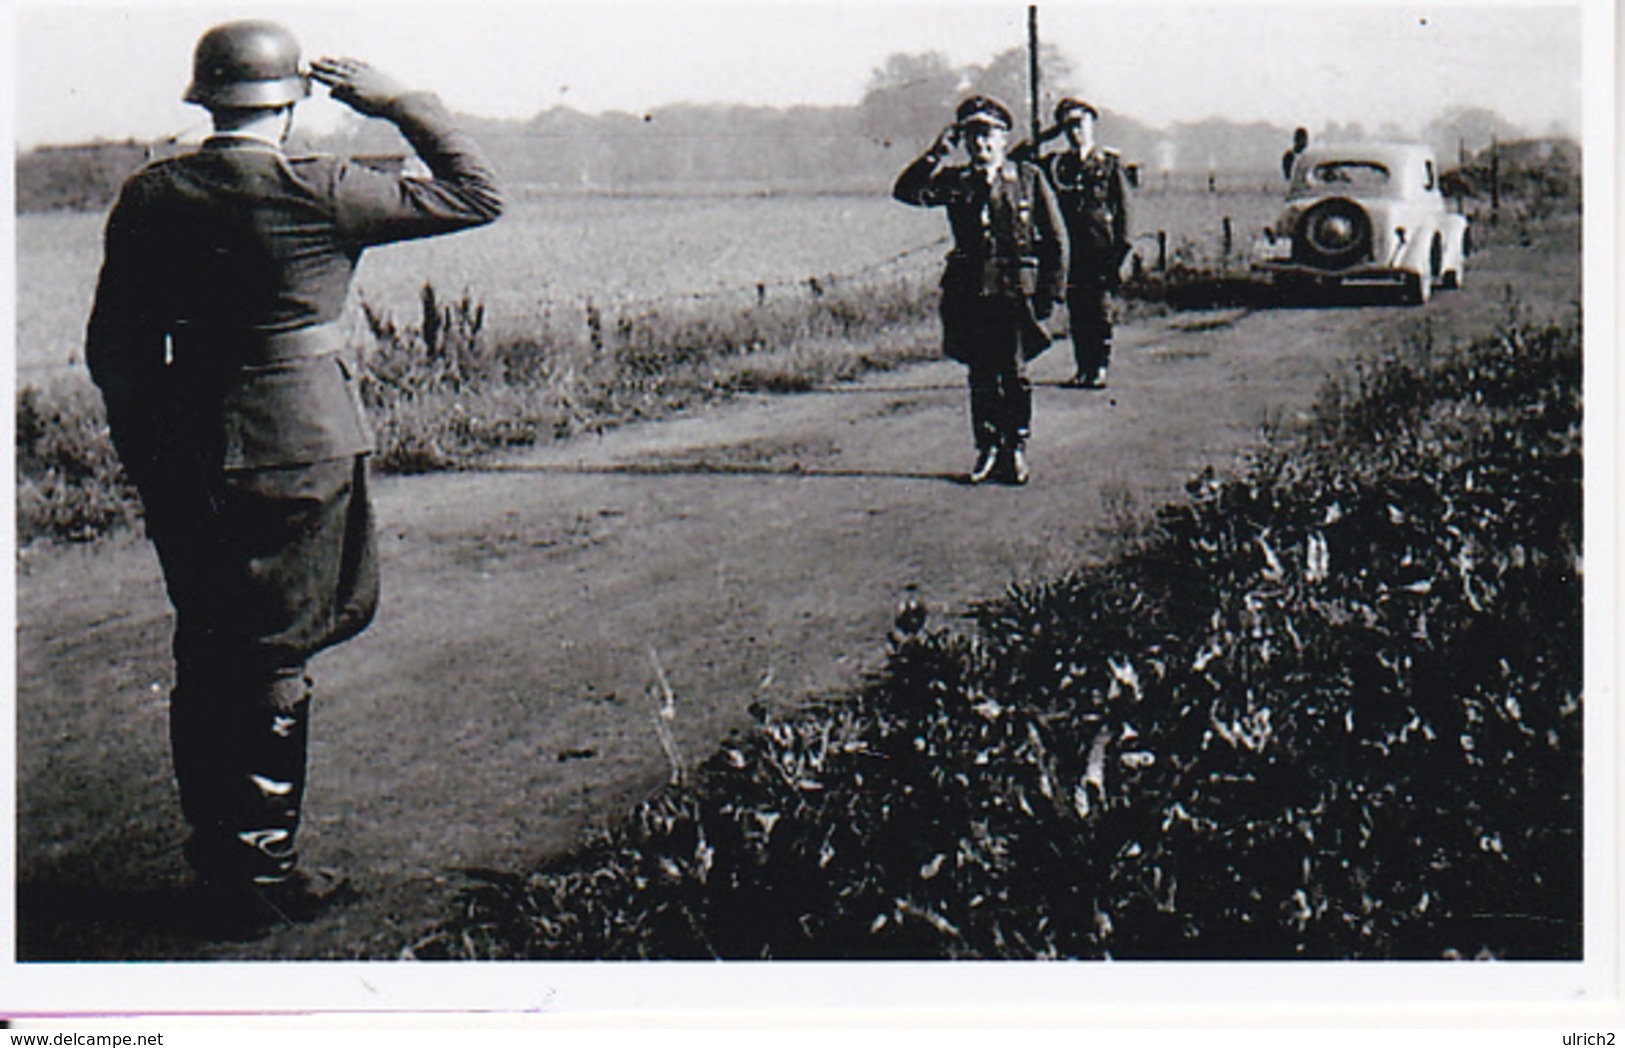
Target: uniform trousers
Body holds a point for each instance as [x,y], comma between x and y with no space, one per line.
[984,333]
[265,568]
[1088,308]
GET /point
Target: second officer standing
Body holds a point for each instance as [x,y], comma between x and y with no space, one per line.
[1090,186]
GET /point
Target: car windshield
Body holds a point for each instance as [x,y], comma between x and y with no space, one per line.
[1346,174]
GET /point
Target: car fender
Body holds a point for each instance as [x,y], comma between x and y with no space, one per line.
[1420,225]
[1389,251]
[1454,227]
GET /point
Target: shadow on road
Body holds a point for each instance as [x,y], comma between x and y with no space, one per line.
[714,469]
[885,391]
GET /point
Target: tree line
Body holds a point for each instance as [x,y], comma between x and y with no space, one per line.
[856,148]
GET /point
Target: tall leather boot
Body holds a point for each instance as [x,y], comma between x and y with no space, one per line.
[262,886]
[272,765]
[239,747]
[203,736]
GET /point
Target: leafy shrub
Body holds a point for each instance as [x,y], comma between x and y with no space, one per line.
[1331,708]
[69,482]
[1543,176]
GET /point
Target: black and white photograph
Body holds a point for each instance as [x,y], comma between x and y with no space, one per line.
[1032,507]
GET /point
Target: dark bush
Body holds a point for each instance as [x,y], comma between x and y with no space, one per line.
[1329,709]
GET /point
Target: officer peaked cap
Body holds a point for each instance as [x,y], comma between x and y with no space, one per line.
[1070,109]
[980,109]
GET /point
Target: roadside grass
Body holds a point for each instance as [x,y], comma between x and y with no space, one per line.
[443,395]
[450,384]
[1327,708]
[442,392]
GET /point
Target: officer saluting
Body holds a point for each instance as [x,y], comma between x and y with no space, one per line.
[234,411]
[1089,183]
[1002,277]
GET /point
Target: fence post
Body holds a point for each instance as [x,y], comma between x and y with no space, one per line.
[1229,237]
[1495,174]
[1162,251]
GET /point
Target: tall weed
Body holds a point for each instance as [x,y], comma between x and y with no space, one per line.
[441,391]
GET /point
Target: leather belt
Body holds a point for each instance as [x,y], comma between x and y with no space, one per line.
[319,340]
[260,348]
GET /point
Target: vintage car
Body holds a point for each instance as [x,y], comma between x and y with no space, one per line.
[1365,215]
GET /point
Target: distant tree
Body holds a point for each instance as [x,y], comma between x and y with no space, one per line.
[76,177]
[1473,126]
[912,96]
[1544,174]
[1005,78]
[909,98]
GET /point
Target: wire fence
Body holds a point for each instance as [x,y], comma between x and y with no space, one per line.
[920,259]
[816,285]
[1172,229]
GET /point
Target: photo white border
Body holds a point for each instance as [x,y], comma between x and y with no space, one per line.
[1338,994]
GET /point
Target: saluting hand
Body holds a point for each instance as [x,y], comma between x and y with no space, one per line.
[946,140]
[357,84]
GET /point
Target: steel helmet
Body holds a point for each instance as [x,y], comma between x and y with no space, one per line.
[247,65]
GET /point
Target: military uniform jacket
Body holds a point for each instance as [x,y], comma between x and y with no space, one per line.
[1007,240]
[210,336]
[1094,205]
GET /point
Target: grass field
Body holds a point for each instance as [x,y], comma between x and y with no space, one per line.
[549,255]
[58,255]
[573,313]
[546,255]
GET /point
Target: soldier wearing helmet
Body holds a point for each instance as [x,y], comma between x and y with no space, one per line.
[1002,277]
[233,407]
[1090,187]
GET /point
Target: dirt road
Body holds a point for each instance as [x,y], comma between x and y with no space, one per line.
[501,705]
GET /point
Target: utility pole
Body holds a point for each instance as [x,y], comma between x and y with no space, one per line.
[1032,73]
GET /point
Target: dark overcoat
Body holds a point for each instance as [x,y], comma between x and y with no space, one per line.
[226,387]
[1008,247]
[1093,198]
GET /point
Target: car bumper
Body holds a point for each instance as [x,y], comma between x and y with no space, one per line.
[1355,276]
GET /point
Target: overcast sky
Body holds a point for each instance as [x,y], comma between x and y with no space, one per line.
[115,71]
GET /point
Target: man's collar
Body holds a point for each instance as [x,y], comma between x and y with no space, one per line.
[240,140]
